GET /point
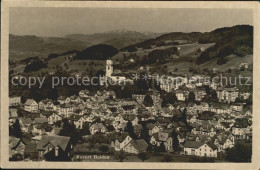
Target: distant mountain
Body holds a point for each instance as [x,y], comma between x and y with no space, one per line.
[117,38]
[29,46]
[97,52]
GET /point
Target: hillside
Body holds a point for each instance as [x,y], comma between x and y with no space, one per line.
[97,52]
[22,47]
[174,38]
[237,40]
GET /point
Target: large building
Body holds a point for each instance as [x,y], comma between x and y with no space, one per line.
[200,149]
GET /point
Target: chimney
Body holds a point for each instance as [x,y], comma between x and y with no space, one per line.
[56,151]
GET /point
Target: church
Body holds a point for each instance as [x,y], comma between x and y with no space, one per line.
[110,76]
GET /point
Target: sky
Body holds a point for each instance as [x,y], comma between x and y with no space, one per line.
[56,22]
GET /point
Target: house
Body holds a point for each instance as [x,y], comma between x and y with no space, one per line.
[41,129]
[16,146]
[46,104]
[130,117]
[66,109]
[75,99]
[98,127]
[162,137]
[180,95]
[61,99]
[136,146]
[14,100]
[227,94]
[237,107]
[77,120]
[12,115]
[200,149]
[139,97]
[83,93]
[54,148]
[25,124]
[224,141]
[243,65]
[153,128]
[121,141]
[31,105]
[54,117]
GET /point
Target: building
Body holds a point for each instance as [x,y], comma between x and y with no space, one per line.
[109,68]
[54,148]
[110,77]
[136,146]
[31,105]
[14,100]
[162,137]
[243,65]
[98,127]
[201,149]
[227,94]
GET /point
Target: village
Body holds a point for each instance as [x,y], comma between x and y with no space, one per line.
[189,121]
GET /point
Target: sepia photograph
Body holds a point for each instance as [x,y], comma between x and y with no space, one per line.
[129,84]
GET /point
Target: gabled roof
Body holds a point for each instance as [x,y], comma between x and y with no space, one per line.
[161,136]
[61,141]
[140,145]
[193,144]
[29,102]
[98,126]
[26,120]
[122,137]
[62,156]
[61,98]
[40,120]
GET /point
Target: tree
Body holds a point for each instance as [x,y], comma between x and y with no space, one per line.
[70,130]
[143,156]
[121,155]
[148,101]
[130,129]
[191,96]
[85,129]
[16,130]
[175,142]
[162,148]
[145,133]
[241,152]
[170,98]
[104,148]
[164,103]
[184,115]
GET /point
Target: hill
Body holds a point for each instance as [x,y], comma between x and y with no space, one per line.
[174,38]
[97,52]
[237,40]
[21,47]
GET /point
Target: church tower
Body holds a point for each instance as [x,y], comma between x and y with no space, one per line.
[109,68]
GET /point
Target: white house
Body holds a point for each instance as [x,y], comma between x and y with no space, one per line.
[200,149]
[31,105]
